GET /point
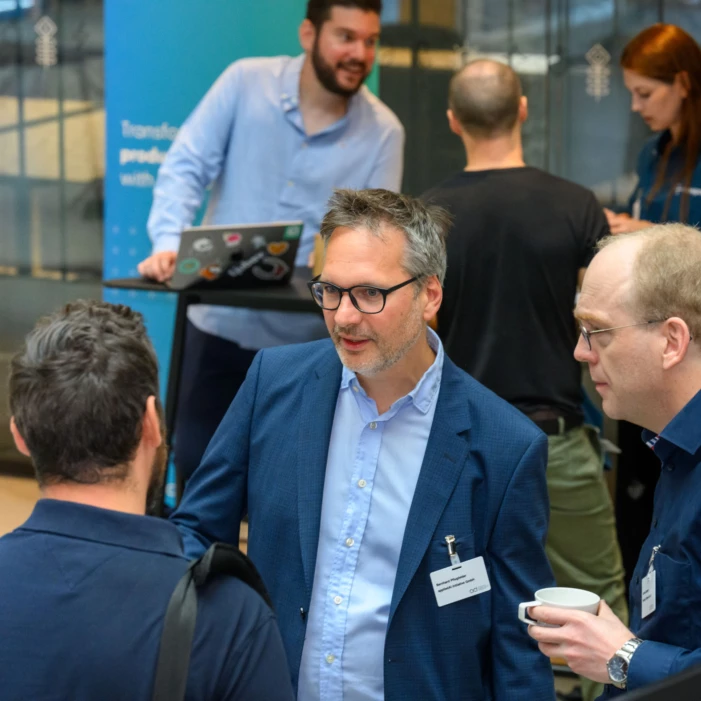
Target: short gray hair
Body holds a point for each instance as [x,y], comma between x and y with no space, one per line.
[425,226]
[666,279]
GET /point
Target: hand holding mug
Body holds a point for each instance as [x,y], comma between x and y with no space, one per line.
[565,628]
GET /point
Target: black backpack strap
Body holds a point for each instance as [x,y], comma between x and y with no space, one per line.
[181,615]
[176,640]
[222,558]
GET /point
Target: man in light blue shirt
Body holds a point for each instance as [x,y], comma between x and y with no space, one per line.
[274,137]
[356,457]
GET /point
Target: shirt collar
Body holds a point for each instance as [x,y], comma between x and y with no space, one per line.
[423,394]
[91,523]
[289,84]
[683,431]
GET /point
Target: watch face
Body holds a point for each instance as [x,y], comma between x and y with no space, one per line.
[617,669]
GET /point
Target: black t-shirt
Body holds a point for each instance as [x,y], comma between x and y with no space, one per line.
[519,238]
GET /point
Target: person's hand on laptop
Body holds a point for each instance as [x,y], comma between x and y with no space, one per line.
[159,266]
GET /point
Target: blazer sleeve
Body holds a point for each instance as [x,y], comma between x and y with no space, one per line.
[215,496]
[519,568]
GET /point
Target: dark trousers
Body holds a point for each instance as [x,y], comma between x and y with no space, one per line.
[212,372]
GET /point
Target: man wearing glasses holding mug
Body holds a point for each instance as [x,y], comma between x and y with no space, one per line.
[640,315]
[397,508]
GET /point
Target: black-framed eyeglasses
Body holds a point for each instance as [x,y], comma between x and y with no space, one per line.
[365,298]
[586,335]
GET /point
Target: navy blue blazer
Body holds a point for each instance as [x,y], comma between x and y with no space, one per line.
[482,479]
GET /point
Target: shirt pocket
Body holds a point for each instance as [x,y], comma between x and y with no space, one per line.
[675,598]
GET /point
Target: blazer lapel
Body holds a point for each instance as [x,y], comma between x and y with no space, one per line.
[446,453]
[316,421]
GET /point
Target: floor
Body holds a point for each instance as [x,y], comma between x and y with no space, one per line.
[17,498]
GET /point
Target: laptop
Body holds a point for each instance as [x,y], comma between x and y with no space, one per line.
[240,255]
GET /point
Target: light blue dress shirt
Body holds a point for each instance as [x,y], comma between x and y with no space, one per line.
[371,473]
[247,138]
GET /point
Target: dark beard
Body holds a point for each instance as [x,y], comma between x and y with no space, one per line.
[327,77]
[156,487]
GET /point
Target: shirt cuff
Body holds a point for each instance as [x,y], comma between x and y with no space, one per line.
[651,662]
[166,242]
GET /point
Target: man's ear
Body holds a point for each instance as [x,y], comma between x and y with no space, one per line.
[434,297]
[151,433]
[453,123]
[307,35]
[17,437]
[523,109]
[677,339]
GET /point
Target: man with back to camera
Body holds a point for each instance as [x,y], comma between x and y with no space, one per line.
[355,463]
[274,136]
[519,242]
[640,315]
[86,580]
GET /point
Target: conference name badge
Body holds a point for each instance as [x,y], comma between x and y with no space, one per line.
[461,581]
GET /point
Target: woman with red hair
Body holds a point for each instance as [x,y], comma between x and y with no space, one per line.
[662,71]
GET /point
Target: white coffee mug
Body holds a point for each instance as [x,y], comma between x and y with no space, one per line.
[560,598]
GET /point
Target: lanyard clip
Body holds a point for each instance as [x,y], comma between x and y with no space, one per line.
[452,550]
[654,552]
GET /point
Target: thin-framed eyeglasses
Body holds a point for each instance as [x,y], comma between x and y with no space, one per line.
[365,298]
[586,335]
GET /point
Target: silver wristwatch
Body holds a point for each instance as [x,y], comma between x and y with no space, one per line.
[617,666]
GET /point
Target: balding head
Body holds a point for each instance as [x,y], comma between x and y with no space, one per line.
[485,97]
[664,262]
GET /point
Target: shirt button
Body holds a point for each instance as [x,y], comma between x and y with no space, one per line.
[290,183]
[330,658]
[362,483]
[350,542]
[337,600]
[355,388]
[373,425]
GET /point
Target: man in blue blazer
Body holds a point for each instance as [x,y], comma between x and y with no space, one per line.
[397,508]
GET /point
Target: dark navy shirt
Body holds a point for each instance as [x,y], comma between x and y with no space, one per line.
[648,164]
[83,593]
[672,633]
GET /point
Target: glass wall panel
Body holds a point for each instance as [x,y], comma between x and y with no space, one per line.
[51,165]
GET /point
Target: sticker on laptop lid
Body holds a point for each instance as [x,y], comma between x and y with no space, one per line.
[231,239]
[211,272]
[202,245]
[240,268]
[259,241]
[271,269]
[188,266]
[278,248]
[292,233]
